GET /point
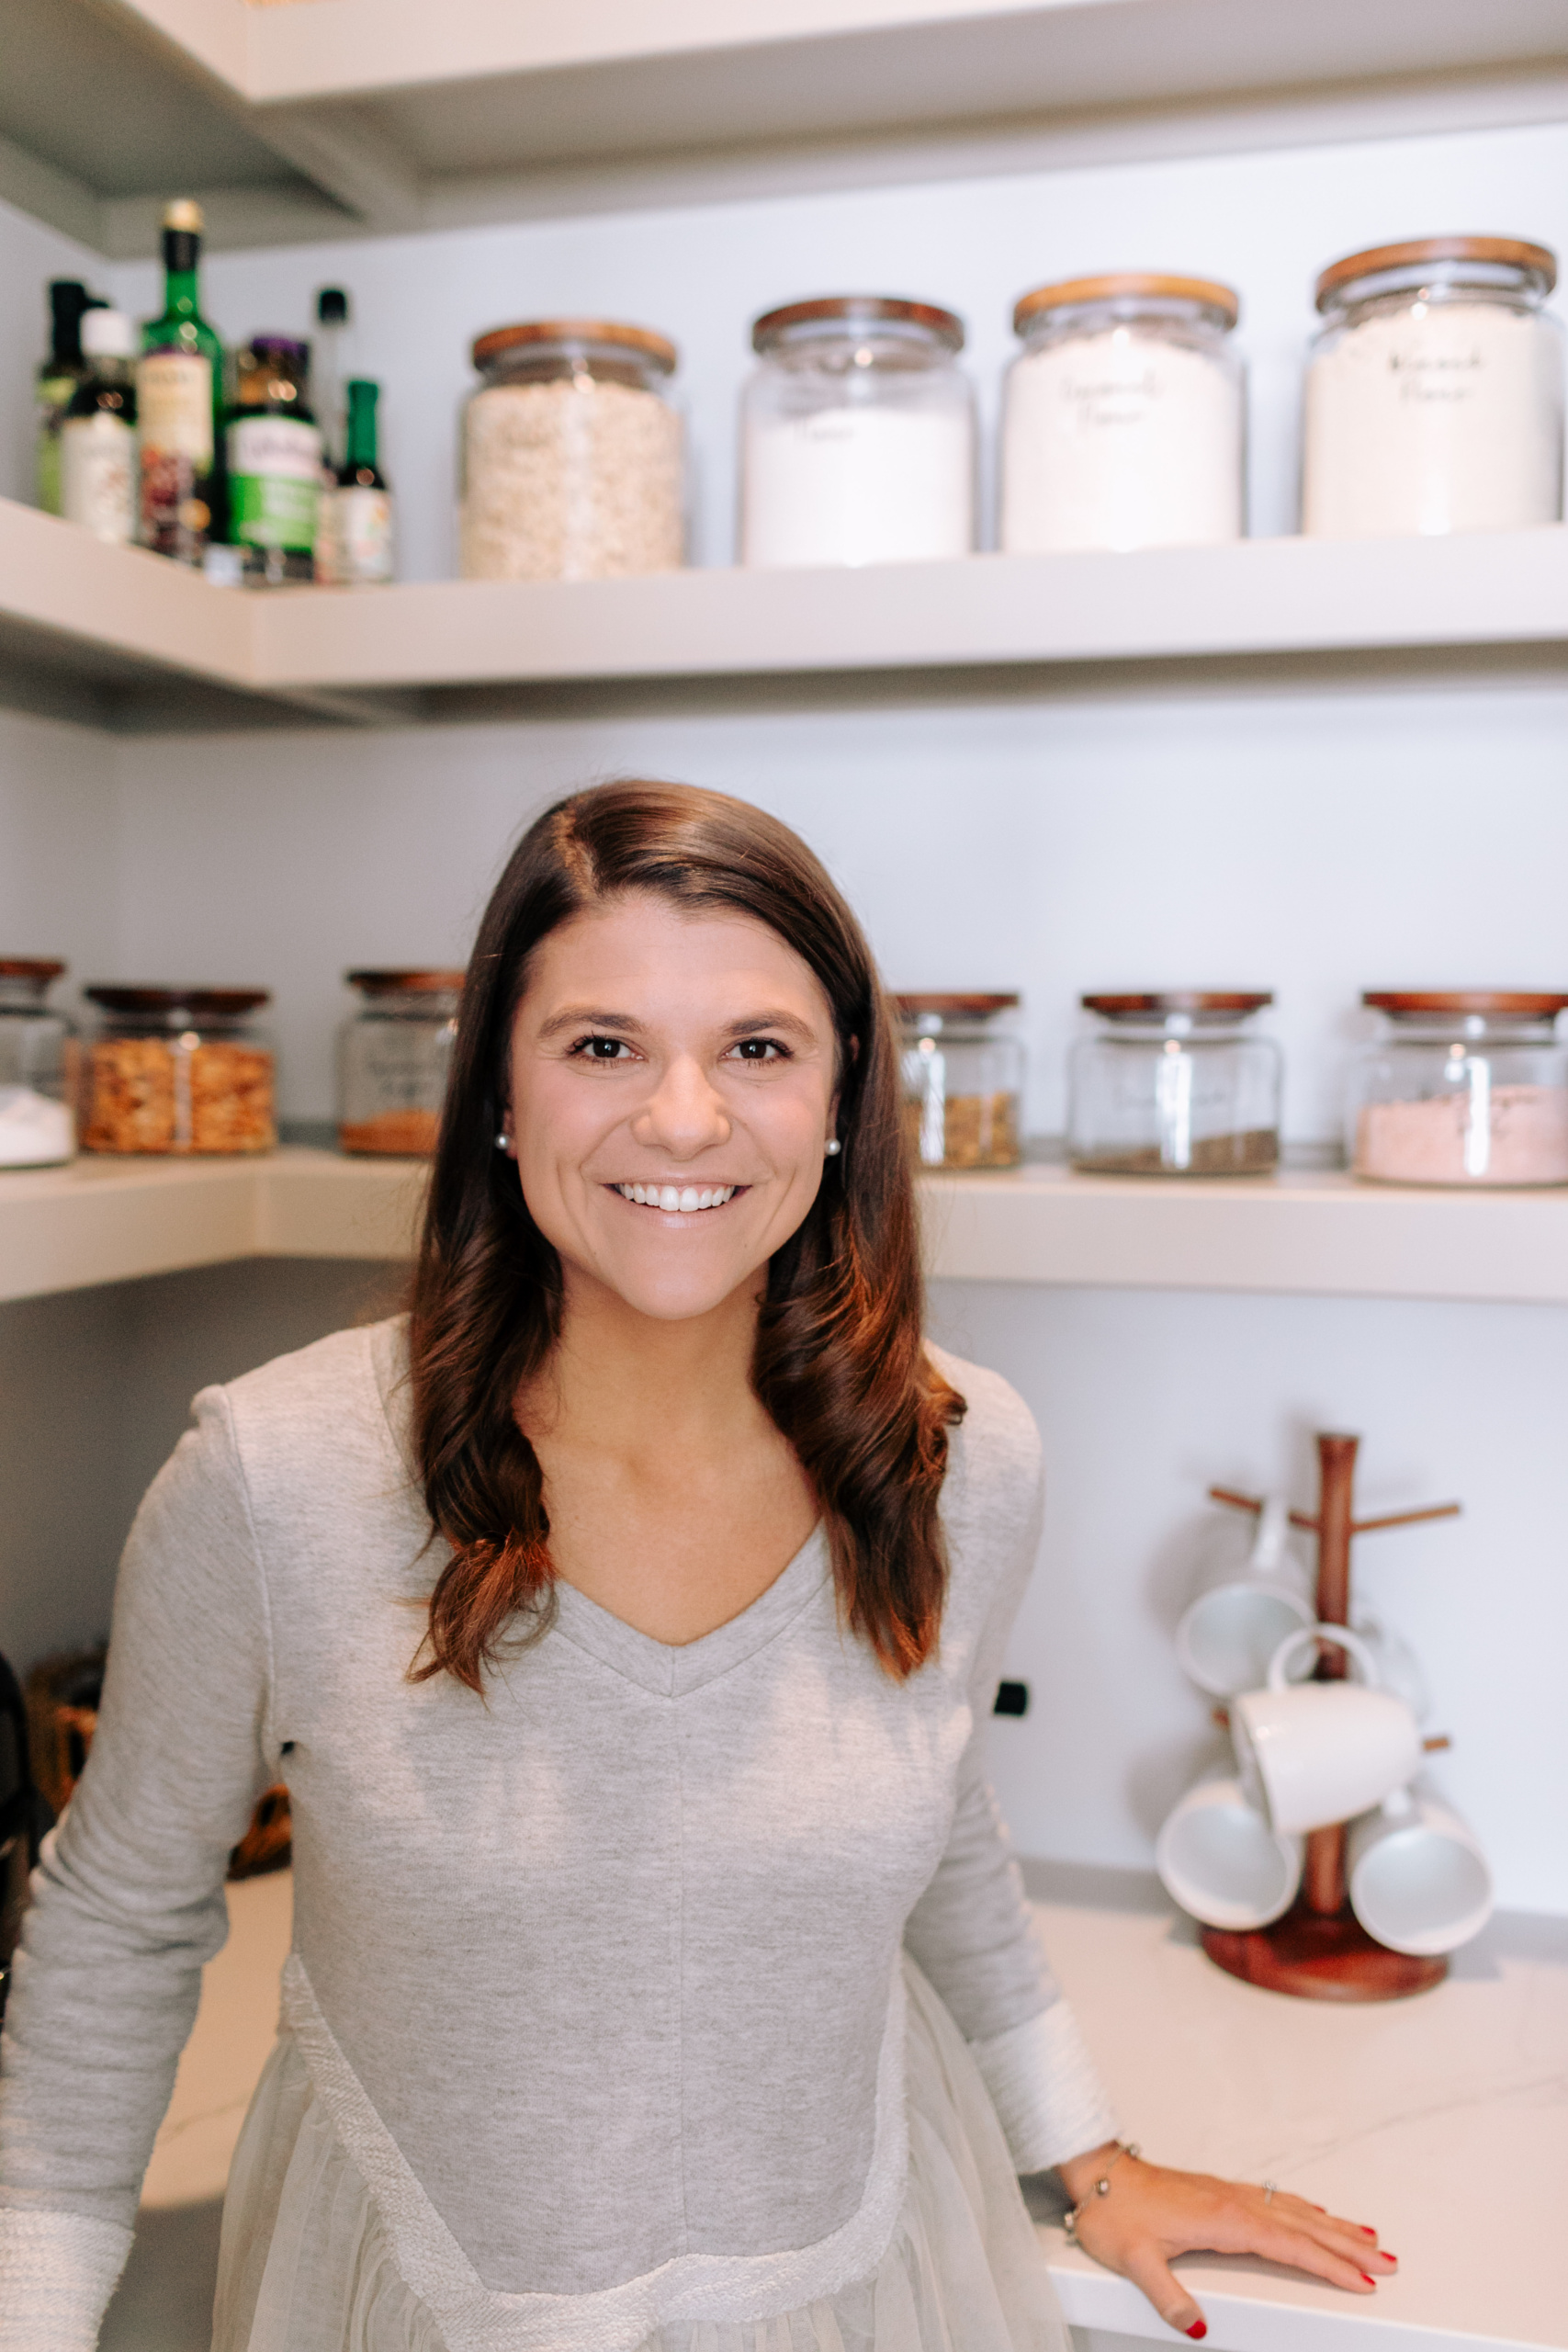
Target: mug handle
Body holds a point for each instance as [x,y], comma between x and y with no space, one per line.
[1342,1639]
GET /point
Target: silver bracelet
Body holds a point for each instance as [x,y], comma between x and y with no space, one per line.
[1102,2186]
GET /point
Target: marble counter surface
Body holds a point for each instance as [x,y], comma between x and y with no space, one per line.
[1442,2120]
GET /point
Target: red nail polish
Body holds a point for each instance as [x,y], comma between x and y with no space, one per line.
[1371,2282]
[1199,2327]
[1387,2256]
[1361,2226]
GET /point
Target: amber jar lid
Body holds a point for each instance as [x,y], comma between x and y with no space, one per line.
[1127,285]
[41,968]
[1506,1004]
[1508,252]
[1201,1003]
[221,1004]
[656,347]
[912,1003]
[416,982]
[858,310]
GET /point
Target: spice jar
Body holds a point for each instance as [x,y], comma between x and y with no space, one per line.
[393,1056]
[571,454]
[857,434]
[1122,423]
[962,1081]
[1434,396]
[172,1070]
[1464,1086]
[38,1068]
[1175,1083]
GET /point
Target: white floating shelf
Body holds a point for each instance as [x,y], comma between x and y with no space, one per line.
[375,652]
[110,1221]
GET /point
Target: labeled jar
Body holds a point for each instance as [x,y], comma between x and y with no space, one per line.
[1462,1086]
[394,1053]
[1175,1083]
[175,1070]
[1123,419]
[1434,394]
[38,1068]
[962,1081]
[571,454]
[97,433]
[275,461]
[857,434]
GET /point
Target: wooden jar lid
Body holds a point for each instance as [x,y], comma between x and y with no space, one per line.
[1513,253]
[911,1004]
[413,982]
[1198,1002]
[1121,284]
[656,347]
[29,967]
[224,1004]
[860,310]
[1518,1004]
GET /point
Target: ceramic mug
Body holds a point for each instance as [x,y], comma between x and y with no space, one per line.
[1229,1632]
[1419,1882]
[1219,1860]
[1313,1753]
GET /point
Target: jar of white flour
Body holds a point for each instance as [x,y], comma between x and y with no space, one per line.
[857,435]
[1464,1086]
[1123,418]
[1434,397]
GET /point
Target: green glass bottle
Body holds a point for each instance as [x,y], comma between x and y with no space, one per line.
[353,541]
[57,380]
[179,400]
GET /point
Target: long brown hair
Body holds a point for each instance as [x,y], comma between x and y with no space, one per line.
[839,1364]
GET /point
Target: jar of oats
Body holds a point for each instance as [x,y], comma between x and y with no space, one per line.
[170,1070]
[571,456]
[962,1081]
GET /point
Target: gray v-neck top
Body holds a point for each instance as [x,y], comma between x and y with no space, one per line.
[598,1976]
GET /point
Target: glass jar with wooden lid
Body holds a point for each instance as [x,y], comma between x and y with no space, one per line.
[1123,419]
[38,1067]
[1461,1086]
[963,1080]
[1174,1082]
[178,1069]
[1434,395]
[571,454]
[857,434]
[394,1052]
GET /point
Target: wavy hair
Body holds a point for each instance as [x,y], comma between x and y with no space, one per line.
[839,1362]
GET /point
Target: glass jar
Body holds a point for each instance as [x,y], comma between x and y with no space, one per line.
[1175,1083]
[1123,422]
[275,461]
[38,1068]
[171,1069]
[1464,1086]
[962,1081]
[393,1056]
[571,459]
[857,434]
[1434,395]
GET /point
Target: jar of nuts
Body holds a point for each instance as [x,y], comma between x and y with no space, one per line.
[571,456]
[171,1069]
[962,1081]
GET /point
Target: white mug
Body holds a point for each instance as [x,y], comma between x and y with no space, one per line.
[1313,1753]
[1218,1858]
[1419,1882]
[1229,1632]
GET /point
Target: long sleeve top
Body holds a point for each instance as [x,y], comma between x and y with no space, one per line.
[597,1975]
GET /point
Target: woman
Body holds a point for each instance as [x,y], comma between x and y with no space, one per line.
[625,1625]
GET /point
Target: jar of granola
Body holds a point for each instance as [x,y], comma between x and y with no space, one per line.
[571,458]
[393,1056]
[177,1070]
[962,1081]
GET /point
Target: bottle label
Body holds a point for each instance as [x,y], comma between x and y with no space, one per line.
[356,545]
[99,475]
[274,466]
[174,404]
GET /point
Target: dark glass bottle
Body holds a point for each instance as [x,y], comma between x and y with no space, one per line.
[275,461]
[58,379]
[179,397]
[354,546]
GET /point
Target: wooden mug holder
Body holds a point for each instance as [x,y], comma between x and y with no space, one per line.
[1319,1950]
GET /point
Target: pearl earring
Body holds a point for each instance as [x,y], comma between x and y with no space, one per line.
[833,1147]
[502,1142]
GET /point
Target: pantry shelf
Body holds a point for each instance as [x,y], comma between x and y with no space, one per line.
[1319,1234]
[132,633]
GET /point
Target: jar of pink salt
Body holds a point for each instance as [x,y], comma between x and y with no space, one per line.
[1462,1086]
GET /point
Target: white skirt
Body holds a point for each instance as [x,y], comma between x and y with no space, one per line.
[307,2266]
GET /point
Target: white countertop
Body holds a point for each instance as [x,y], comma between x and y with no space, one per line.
[1443,2120]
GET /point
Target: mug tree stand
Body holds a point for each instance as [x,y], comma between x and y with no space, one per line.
[1319,1950]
